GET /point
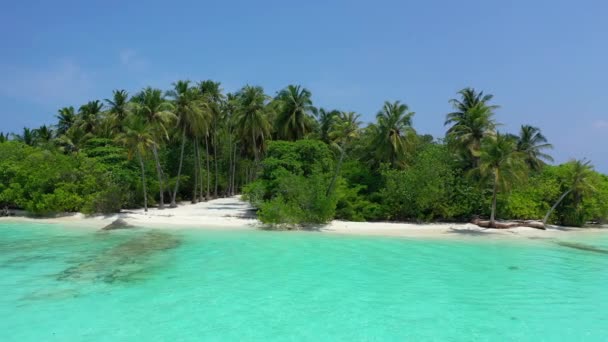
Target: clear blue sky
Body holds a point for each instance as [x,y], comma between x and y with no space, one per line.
[546,62]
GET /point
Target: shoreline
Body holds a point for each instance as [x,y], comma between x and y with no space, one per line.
[234,214]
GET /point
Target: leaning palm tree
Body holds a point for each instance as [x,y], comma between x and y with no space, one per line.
[392,134]
[251,120]
[344,130]
[66,117]
[138,137]
[577,183]
[471,122]
[531,142]
[119,109]
[501,165]
[157,112]
[295,110]
[191,116]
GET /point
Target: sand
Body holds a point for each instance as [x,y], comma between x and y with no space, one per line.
[234,213]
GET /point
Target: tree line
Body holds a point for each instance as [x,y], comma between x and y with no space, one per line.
[295,162]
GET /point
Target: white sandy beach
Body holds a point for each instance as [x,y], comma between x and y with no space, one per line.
[233,213]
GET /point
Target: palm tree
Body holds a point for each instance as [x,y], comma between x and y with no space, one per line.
[138,136]
[251,121]
[501,165]
[229,110]
[28,137]
[88,116]
[392,134]
[212,95]
[531,143]
[157,112]
[43,134]
[578,183]
[344,130]
[471,123]
[294,119]
[119,109]
[190,117]
[326,119]
[3,137]
[66,117]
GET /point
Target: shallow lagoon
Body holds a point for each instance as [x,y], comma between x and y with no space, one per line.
[66,284]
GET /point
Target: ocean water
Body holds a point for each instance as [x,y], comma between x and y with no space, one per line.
[66,284]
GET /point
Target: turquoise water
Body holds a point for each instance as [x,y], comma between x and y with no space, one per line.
[66,284]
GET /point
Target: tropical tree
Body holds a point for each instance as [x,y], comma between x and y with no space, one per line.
[531,142]
[119,109]
[27,137]
[214,99]
[3,137]
[295,110]
[578,183]
[158,113]
[392,134]
[66,117]
[43,134]
[191,116]
[344,130]
[89,116]
[325,120]
[471,122]
[500,165]
[138,137]
[251,121]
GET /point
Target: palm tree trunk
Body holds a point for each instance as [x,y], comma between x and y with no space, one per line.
[159,171]
[229,188]
[200,172]
[143,181]
[215,164]
[234,189]
[338,167]
[208,195]
[179,169]
[195,189]
[561,198]
[494,192]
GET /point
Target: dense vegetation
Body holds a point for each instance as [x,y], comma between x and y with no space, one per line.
[294,162]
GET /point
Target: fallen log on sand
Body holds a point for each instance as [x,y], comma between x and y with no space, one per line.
[510,224]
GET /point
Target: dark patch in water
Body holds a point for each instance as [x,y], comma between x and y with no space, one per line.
[514,318]
[51,295]
[513,268]
[127,262]
[582,247]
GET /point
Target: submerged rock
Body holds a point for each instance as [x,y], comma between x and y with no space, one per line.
[118,224]
[128,261]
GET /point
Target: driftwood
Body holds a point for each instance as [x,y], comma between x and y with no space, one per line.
[510,224]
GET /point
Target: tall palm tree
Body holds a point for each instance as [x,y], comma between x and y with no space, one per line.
[344,130]
[229,111]
[501,165]
[294,119]
[119,109]
[158,113]
[325,120]
[251,120]
[214,98]
[89,116]
[470,123]
[138,137]
[66,117]
[578,183]
[392,134]
[531,142]
[191,116]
